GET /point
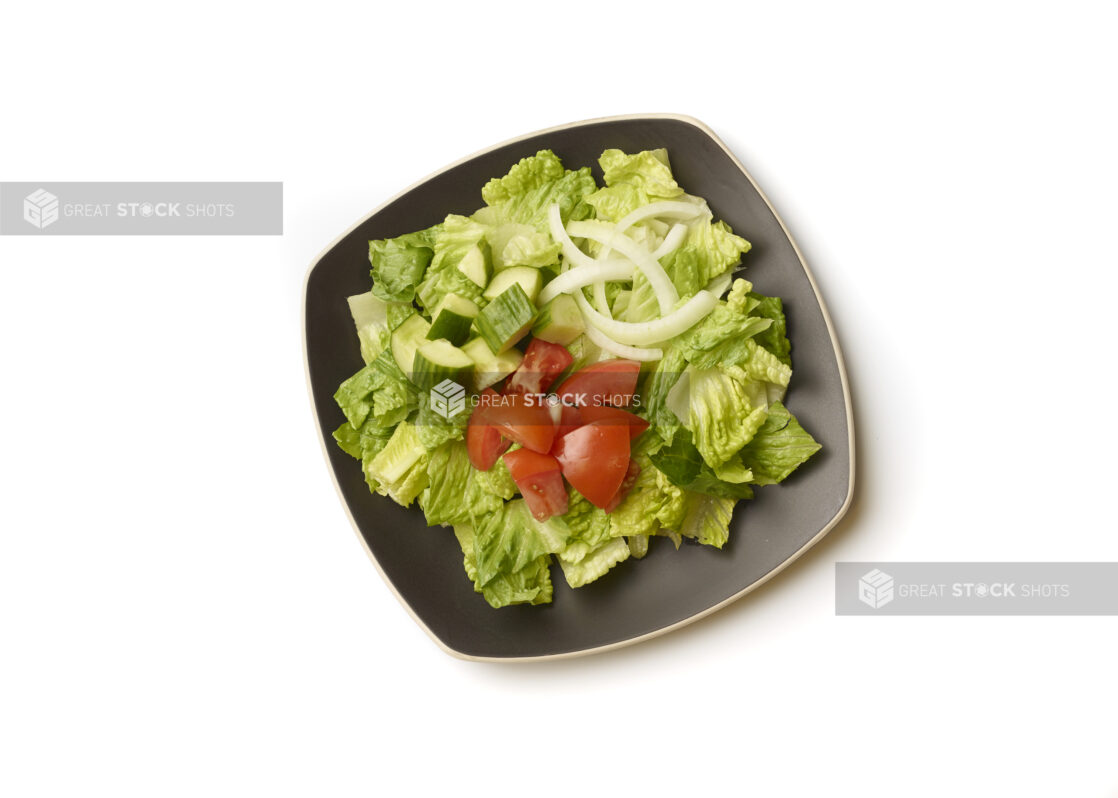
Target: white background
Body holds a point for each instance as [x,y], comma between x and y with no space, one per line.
[184,608]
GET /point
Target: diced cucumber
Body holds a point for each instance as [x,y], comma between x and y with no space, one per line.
[506,319]
[440,360]
[406,339]
[528,278]
[488,367]
[560,322]
[452,319]
[475,266]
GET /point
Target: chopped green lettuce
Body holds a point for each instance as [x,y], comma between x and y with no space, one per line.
[370,317]
[379,391]
[594,563]
[529,585]
[587,526]
[509,540]
[775,338]
[649,171]
[400,468]
[453,494]
[710,249]
[681,465]
[722,417]
[497,480]
[454,239]
[398,264]
[533,185]
[654,502]
[707,519]
[780,446]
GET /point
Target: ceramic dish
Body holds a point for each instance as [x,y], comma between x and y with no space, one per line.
[637,600]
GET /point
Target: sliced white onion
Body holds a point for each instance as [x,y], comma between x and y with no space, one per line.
[720,284]
[605,271]
[674,209]
[666,295]
[628,352]
[678,210]
[601,301]
[671,241]
[573,254]
[687,316]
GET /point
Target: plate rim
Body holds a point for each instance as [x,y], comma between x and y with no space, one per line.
[847,501]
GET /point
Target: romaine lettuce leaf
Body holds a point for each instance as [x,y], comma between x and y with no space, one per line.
[400,468]
[515,244]
[762,365]
[654,501]
[722,418]
[649,171]
[775,338]
[721,338]
[595,563]
[526,175]
[707,519]
[658,386]
[683,466]
[530,585]
[370,318]
[638,545]
[710,249]
[524,195]
[379,391]
[398,264]
[509,540]
[433,428]
[587,526]
[452,241]
[497,480]
[780,446]
[453,494]
[613,203]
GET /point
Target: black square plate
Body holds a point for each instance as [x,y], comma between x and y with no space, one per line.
[639,598]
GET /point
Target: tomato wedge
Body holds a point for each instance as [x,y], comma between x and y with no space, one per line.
[483,440]
[524,419]
[626,485]
[614,415]
[611,382]
[570,419]
[540,482]
[543,362]
[594,459]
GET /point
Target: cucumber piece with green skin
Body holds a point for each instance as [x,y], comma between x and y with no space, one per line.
[506,319]
[440,360]
[560,322]
[452,319]
[475,266]
[489,368]
[406,339]
[528,278]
